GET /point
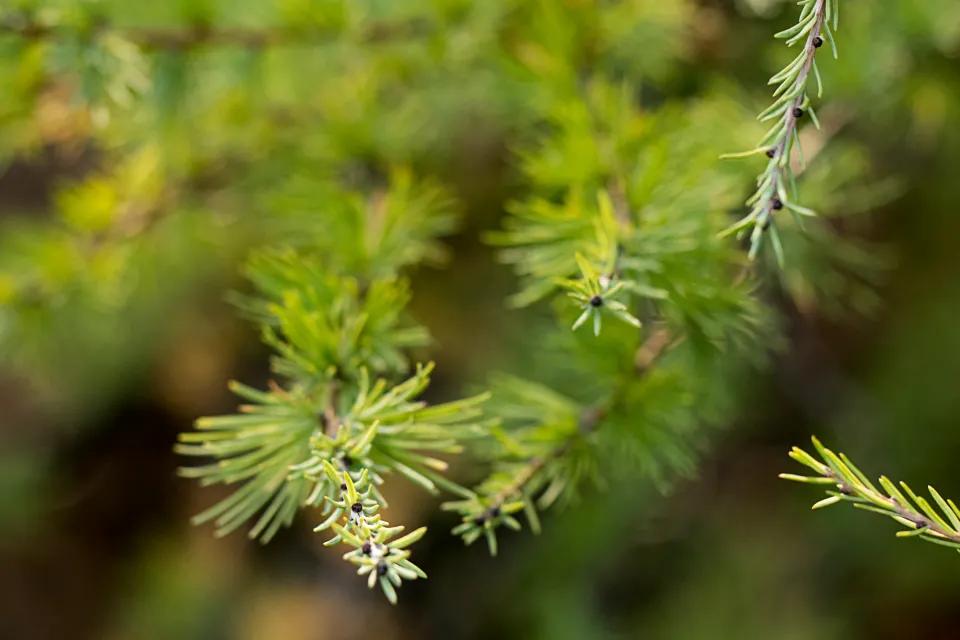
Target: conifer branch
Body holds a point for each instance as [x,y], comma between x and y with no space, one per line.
[531,484]
[619,246]
[339,419]
[201,34]
[356,522]
[620,219]
[776,186]
[912,511]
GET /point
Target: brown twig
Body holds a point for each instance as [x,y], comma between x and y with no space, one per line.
[919,521]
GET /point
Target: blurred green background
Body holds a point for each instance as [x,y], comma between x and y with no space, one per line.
[134,179]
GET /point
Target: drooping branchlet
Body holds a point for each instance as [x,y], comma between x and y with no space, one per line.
[791,102]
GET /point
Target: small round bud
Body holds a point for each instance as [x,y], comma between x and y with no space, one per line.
[776,204]
[356,507]
[771,152]
[366,548]
[381,568]
[818,42]
[343,486]
[797,112]
[596,301]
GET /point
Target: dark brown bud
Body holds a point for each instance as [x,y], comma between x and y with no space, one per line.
[366,548]
[596,301]
[797,112]
[356,507]
[818,42]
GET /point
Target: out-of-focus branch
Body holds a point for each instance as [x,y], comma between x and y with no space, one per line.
[201,35]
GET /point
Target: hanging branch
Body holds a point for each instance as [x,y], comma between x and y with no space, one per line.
[776,186]
[913,512]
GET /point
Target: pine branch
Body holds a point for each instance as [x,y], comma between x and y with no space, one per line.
[535,482]
[776,186]
[199,35]
[914,512]
[337,422]
[619,243]
[621,216]
[356,522]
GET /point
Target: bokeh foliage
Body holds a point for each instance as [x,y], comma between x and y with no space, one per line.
[173,142]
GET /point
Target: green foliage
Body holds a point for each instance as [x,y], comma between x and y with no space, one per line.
[317,320]
[216,144]
[918,517]
[626,227]
[376,552]
[284,444]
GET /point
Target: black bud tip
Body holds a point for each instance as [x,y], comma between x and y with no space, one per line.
[495,512]
[356,507]
[771,152]
[777,204]
[596,301]
[366,548]
[797,112]
[382,569]
[343,486]
[818,42]
[479,520]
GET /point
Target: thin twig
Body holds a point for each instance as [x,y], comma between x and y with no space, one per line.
[790,117]
[919,520]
